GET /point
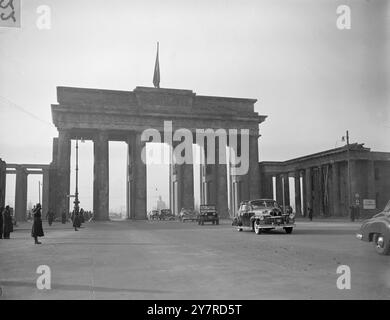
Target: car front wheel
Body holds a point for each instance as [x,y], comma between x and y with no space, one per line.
[381,246]
[288,230]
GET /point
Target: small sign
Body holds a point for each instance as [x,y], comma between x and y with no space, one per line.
[369,204]
[10,13]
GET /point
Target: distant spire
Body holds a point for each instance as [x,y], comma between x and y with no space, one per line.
[156,76]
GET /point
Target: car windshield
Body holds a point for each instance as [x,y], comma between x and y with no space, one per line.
[387,208]
[260,204]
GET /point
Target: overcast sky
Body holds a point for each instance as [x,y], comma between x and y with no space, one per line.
[313,80]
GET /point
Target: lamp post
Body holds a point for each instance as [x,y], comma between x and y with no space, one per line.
[76,194]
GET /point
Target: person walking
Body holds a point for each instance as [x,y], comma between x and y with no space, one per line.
[310,210]
[76,220]
[50,217]
[81,216]
[37,230]
[7,221]
[1,222]
[63,217]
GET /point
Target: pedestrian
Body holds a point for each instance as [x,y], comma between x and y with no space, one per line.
[7,221]
[1,222]
[310,210]
[50,217]
[63,217]
[76,220]
[37,230]
[81,216]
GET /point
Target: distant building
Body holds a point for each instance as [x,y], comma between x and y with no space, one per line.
[320,181]
[161,204]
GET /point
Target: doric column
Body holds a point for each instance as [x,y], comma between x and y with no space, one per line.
[137,177]
[3,175]
[21,194]
[45,190]
[286,188]
[63,172]
[187,183]
[221,183]
[308,185]
[297,187]
[355,181]
[266,186]
[316,191]
[254,172]
[335,190]
[279,189]
[321,190]
[371,192]
[101,177]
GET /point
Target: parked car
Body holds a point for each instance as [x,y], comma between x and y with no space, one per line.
[153,215]
[263,215]
[188,215]
[166,214]
[208,213]
[377,231]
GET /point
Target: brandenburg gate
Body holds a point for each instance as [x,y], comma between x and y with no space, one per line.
[111,115]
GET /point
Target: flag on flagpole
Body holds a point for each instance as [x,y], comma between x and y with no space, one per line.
[156,76]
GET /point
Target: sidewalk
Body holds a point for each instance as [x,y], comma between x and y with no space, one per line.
[328,219]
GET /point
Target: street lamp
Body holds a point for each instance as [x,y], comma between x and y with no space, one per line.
[76,194]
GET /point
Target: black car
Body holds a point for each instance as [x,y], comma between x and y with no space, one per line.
[263,215]
[208,213]
[377,231]
[188,214]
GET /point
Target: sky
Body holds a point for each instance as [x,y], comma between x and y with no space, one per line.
[313,80]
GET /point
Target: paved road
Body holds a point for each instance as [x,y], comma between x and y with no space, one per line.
[172,260]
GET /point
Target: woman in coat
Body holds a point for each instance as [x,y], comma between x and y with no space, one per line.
[7,221]
[76,220]
[37,230]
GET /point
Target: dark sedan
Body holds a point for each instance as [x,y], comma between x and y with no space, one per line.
[377,231]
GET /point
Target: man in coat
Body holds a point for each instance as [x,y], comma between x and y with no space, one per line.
[7,221]
[37,230]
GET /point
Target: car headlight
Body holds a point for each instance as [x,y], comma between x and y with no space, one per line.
[261,217]
[291,216]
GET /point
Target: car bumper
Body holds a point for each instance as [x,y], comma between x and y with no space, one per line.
[277,226]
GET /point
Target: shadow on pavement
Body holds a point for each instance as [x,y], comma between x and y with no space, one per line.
[77,287]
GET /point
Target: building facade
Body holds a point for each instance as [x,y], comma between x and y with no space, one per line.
[321,181]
